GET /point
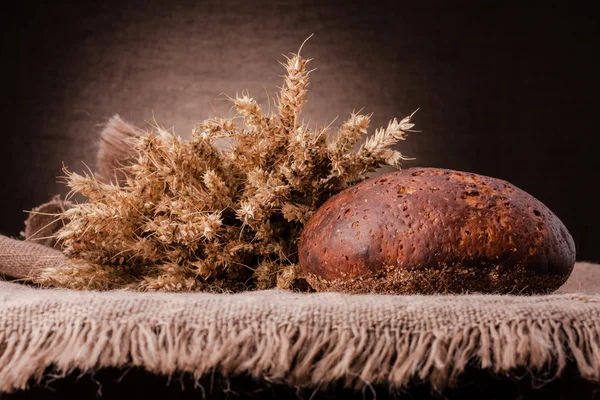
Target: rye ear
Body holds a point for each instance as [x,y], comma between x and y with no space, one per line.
[116,149]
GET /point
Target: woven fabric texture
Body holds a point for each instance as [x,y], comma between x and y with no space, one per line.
[24,259]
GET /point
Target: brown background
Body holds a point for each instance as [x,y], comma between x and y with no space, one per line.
[506,92]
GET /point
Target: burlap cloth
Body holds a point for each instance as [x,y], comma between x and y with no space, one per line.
[295,338]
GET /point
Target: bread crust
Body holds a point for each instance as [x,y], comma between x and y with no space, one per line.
[423,221]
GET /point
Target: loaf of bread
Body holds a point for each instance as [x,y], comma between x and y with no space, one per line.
[430,230]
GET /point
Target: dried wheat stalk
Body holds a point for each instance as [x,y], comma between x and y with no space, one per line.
[187,215]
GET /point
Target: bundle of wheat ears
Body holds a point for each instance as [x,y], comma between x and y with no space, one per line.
[195,215]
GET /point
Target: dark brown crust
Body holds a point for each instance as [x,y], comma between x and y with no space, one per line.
[430,220]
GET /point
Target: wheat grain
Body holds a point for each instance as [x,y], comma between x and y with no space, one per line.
[186,215]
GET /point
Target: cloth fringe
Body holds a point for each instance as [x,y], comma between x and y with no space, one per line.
[298,339]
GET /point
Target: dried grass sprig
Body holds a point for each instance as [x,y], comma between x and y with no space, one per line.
[187,215]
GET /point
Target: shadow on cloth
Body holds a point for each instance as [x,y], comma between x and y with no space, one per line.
[114,383]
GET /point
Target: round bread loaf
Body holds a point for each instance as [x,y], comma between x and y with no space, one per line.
[430,230]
